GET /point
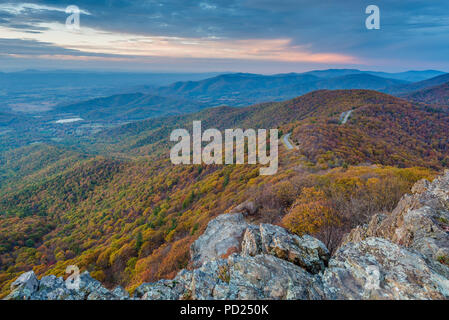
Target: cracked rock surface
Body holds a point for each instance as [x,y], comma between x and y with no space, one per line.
[401,255]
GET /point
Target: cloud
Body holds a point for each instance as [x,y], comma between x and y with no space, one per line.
[93,41]
[263,30]
[33,48]
[30,8]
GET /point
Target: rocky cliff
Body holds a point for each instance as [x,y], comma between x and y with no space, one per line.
[401,255]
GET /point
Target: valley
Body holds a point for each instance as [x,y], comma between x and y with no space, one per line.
[107,198]
[21,127]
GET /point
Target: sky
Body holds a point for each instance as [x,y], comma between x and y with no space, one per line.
[260,36]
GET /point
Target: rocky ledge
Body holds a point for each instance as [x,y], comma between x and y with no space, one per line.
[401,255]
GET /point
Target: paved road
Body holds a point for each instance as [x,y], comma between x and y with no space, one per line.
[287,143]
[345,116]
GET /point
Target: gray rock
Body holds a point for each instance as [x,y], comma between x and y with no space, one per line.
[54,288]
[252,241]
[161,290]
[247,208]
[120,293]
[376,268]
[222,236]
[421,186]
[28,280]
[24,287]
[237,277]
[306,252]
[267,277]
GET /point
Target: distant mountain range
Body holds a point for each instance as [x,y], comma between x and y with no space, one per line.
[243,89]
[183,97]
[127,107]
[438,95]
[402,90]
[39,91]
[410,76]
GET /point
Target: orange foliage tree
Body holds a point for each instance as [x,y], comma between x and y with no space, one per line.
[311,213]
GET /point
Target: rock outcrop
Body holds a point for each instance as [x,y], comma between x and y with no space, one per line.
[27,283]
[248,208]
[420,221]
[306,252]
[402,255]
[28,287]
[376,268]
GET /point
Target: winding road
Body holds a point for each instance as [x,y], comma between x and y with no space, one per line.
[287,142]
[345,116]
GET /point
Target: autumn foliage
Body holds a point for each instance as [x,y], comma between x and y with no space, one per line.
[127,215]
[311,213]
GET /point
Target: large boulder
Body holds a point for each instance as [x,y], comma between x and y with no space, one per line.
[28,280]
[376,268]
[28,287]
[237,277]
[306,252]
[247,208]
[273,264]
[223,236]
[24,286]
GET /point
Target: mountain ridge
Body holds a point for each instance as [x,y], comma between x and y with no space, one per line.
[437,95]
[408,88]
[225,89]
[324,107]
[242,89]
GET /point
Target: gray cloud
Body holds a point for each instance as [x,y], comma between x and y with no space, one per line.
[32,47]
[415,30]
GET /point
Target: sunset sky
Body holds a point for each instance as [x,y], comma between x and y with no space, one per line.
[261,36]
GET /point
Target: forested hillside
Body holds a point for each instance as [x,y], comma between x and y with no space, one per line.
[438,95]
[118,208]
[244,89]
[416,86]
[390,126]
